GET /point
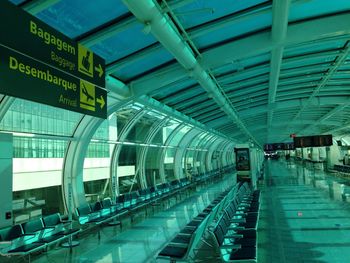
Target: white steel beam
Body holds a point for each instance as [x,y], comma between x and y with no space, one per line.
[161,26]
[311,30]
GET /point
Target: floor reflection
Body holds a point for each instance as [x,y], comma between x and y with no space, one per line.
[337,188]
[304,216]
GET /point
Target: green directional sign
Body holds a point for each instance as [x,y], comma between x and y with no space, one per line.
[23,77]
[27,34]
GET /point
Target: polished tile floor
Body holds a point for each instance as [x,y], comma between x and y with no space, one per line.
[305,215]
[141,240]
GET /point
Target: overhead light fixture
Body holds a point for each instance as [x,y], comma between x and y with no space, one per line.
[147,28]
[22,134]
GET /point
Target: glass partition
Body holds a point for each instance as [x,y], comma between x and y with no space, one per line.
[30,117]
[170,153]
[96,173]
[153,157]
[189,163]
[127,169]
[41,136]
[202,152]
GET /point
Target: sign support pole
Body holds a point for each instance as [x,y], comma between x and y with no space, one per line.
[71,243]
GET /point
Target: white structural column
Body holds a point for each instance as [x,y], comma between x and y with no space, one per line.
[149,13]
[191,153]
[167,145]
[205,153]
[202,154]
[72,172]
[144,149]
[197,153]
[224,154]
[118,147]
[220,149]
[280,11]
[231,155]
[212,148]
[181,149]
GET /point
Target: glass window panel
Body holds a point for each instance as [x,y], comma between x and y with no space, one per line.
[152,165]
[140,130]
[169,164]
[125,114]
[126,46]
[168,129]
[96,173]
[189,168]
[177,138]
[31,117]
[170,152]
[74,18]
[37,177]
[199,12]
[127,168]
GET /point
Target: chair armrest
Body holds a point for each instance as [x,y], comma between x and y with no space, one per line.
[184,234]
[236,228]
[6,242]
[233,246]
[49,229]
[239,216]
[190,227]
[238,220]
[240,213]
[182,245]
[29,234]
[234,236]
[211,228]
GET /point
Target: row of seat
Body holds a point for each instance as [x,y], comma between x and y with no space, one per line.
[235,234]
[181,247]
[345,169]
[106,210]
[35,235]
[40,233]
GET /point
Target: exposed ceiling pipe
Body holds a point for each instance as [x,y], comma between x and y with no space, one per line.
[280,10]
[118,88]
[151,15]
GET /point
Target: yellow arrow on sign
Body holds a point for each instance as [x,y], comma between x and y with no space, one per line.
[99,69]
[101,101]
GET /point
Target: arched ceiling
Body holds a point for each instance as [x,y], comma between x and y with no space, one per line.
[249,69]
